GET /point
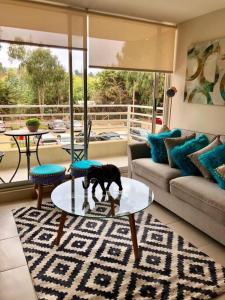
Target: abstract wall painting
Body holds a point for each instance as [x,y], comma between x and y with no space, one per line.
[205,74]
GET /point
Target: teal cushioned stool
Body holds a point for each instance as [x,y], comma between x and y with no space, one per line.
[46,175]
[80,168]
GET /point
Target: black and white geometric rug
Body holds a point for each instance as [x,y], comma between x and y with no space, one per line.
[95,259]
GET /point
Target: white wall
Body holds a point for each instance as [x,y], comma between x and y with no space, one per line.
[205,118]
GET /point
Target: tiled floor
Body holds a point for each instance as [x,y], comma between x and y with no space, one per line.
[15,281]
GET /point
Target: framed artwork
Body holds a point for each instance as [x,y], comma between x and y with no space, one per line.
[205,74]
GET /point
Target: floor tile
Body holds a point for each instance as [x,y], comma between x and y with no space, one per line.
[7,226]
[162,214]
[190,233]
[11,254]
[216,251]
[8,206]
[16,284]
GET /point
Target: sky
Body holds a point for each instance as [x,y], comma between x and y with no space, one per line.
[60,53]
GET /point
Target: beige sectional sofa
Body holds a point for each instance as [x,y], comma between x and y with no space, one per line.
[197,200]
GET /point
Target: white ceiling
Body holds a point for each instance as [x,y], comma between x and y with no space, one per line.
[174,11]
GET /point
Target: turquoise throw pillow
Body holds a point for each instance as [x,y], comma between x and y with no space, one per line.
[213,159]
[158,148]
[180,154]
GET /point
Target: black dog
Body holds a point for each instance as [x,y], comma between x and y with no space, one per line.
[102,174]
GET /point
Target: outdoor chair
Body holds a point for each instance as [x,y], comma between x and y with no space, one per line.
[79,148]
[46,175]
[1,157]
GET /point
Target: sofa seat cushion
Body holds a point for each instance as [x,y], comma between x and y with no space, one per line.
[202,194]
[159,174]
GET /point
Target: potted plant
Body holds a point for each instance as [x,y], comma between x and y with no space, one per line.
[33,124]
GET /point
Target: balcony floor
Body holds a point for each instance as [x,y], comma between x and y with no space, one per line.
[119,161]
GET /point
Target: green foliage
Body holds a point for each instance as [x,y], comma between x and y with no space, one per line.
[33,122]
[17,52]
[119,87]
[78,94]
[110,87]
[43,73]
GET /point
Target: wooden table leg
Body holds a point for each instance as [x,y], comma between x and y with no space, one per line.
[60,229]
[134,236]
[40,196]
[112,207]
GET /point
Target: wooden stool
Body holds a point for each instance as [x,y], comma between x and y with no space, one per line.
[80,168]
[46,175]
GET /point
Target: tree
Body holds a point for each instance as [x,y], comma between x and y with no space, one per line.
[44,73]
[110,87]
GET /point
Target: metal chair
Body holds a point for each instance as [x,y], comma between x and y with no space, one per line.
[1,157]
[79,148]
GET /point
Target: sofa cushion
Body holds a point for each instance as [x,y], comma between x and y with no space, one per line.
[159,174]
[180,153]
[220,173]
[158,148]
[171,143]
[194,157]
[213,159]
[202,194]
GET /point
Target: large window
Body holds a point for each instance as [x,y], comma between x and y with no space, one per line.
[34,82]
[44,67]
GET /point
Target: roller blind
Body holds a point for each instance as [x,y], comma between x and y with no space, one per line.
[120,43]
[42,25]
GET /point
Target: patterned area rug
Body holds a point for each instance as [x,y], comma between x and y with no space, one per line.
[95,259]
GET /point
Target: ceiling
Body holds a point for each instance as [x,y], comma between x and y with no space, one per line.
[173,11]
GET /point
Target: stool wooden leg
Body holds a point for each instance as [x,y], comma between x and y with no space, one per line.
[40,196]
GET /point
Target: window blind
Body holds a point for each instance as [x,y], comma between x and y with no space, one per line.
[42,25]
[119,43]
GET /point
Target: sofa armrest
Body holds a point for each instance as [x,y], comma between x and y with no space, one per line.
[135,151]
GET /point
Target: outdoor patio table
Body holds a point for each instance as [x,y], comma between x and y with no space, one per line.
[15,134]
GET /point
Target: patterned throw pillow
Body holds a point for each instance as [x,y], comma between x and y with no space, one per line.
[213,159]
[170,143]
[220,175]
[180,154]
[194,157]
[158,148]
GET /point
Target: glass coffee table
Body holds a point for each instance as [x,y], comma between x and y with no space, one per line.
[72,199]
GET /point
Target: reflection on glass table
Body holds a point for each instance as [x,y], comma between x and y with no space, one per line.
[72,199]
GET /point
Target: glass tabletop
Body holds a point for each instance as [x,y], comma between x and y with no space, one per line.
[71,198]
[24,132]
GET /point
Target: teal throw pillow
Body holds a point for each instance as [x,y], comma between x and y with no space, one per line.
[158,148]
[180,154]
[213,159]
[220,176]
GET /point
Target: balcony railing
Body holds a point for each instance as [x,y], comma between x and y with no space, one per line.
[126,119]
